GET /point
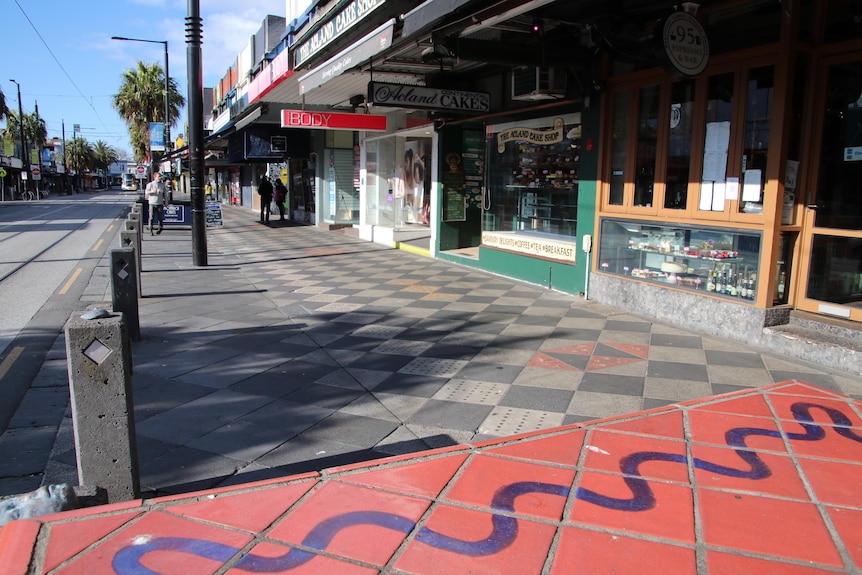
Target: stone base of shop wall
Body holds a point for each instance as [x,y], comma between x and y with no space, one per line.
[722,318]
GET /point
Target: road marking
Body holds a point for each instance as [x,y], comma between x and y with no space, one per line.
[71,280]
[10,359]
[98,243]
[110,227]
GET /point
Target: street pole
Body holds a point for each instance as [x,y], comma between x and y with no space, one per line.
[24,150]
[196,132]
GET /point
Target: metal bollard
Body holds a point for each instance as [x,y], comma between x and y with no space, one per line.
[99,359]
[124,284]
[130,239]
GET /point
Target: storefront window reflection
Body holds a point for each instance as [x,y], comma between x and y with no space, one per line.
[533,168]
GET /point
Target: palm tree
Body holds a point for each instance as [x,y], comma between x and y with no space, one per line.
[141,100]
[103,156]
[3,109]
[80,157]
[34,129]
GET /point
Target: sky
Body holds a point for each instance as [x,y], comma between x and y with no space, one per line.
[62,54]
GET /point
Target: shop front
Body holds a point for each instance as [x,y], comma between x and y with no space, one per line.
[728,195]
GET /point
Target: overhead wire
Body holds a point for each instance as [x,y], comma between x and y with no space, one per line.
[47,47]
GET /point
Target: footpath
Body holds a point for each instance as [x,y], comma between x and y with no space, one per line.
[312,403]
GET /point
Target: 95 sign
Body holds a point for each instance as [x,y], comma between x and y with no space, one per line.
[685,43]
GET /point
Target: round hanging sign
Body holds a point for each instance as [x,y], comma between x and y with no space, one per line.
[685,44]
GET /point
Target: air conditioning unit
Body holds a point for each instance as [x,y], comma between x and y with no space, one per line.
[538,83]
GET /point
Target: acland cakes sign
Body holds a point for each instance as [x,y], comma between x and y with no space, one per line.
[404,96]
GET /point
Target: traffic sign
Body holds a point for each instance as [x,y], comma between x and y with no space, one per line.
[141,172]
[37,172]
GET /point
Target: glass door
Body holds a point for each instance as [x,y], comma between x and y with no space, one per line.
[832,234]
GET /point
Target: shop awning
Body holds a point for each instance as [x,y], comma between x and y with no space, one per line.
[427,13]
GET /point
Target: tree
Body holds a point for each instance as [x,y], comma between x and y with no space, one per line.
[3,109]
[141,100]
[104,155]
[79,155]
[34,129]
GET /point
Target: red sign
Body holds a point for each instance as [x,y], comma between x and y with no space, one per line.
[331,121]
[35,171]
[141,169]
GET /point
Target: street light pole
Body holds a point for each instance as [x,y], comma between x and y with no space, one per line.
[167,127]
[24,150]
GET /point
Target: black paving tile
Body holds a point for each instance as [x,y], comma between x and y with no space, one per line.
[538,398]
[609,383]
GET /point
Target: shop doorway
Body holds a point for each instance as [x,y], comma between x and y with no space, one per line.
[832,231]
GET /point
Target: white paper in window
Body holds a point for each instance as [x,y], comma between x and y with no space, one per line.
[718,197]
[751,186]
[715,151]
[731,189]
[706,196]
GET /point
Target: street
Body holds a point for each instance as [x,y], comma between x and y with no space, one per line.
[47,251]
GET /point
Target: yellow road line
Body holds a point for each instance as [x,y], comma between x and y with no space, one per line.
[110,227]
[98,243]
[10,359]
[70,281]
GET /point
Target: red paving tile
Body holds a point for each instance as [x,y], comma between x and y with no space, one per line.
[727,564]
[351,521]
[529,489]
[426,478]
[69,539]
[583,551]
[608,496]
[736,521]
[725,468]
[454,541]
[609,451]
[848,523]
[563,449]
[650,508]
[667,424]
[253,511]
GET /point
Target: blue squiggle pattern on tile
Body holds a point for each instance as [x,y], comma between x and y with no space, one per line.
[127,561]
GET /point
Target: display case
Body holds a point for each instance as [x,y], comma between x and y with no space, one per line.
[533,176]
[719,261]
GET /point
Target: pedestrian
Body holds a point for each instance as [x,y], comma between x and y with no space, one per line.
[265,191]
[280,196]
[209,190]
[157,196]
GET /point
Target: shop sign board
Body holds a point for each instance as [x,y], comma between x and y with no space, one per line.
[531,245]
[332,121]
[368,47]
[335,27]
[685,44]
[402,96]
[177,215]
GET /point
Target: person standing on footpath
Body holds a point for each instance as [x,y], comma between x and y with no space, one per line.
[280,196]
[265,191]
[157,196]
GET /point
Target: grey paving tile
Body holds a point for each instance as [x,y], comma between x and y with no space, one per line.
[416,385]
[613,384]
[496,373]
[321,395]
[352,429]
[823,380]
[451,415]
[734,358]
[240,440]
[537,398]
[628,326]
[673,340]
[185,469]
[673,370]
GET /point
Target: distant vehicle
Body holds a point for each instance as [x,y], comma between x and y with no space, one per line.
[129,183]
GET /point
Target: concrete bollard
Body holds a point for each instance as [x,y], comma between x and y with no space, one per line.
[124,284]
[130,239]
[99,359]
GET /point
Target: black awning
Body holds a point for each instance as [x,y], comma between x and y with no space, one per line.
[427,13]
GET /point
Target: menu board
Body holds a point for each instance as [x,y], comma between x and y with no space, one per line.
[455,208]
[213,214]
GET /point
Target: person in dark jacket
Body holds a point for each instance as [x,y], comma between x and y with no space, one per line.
[280,196]
[265,191]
